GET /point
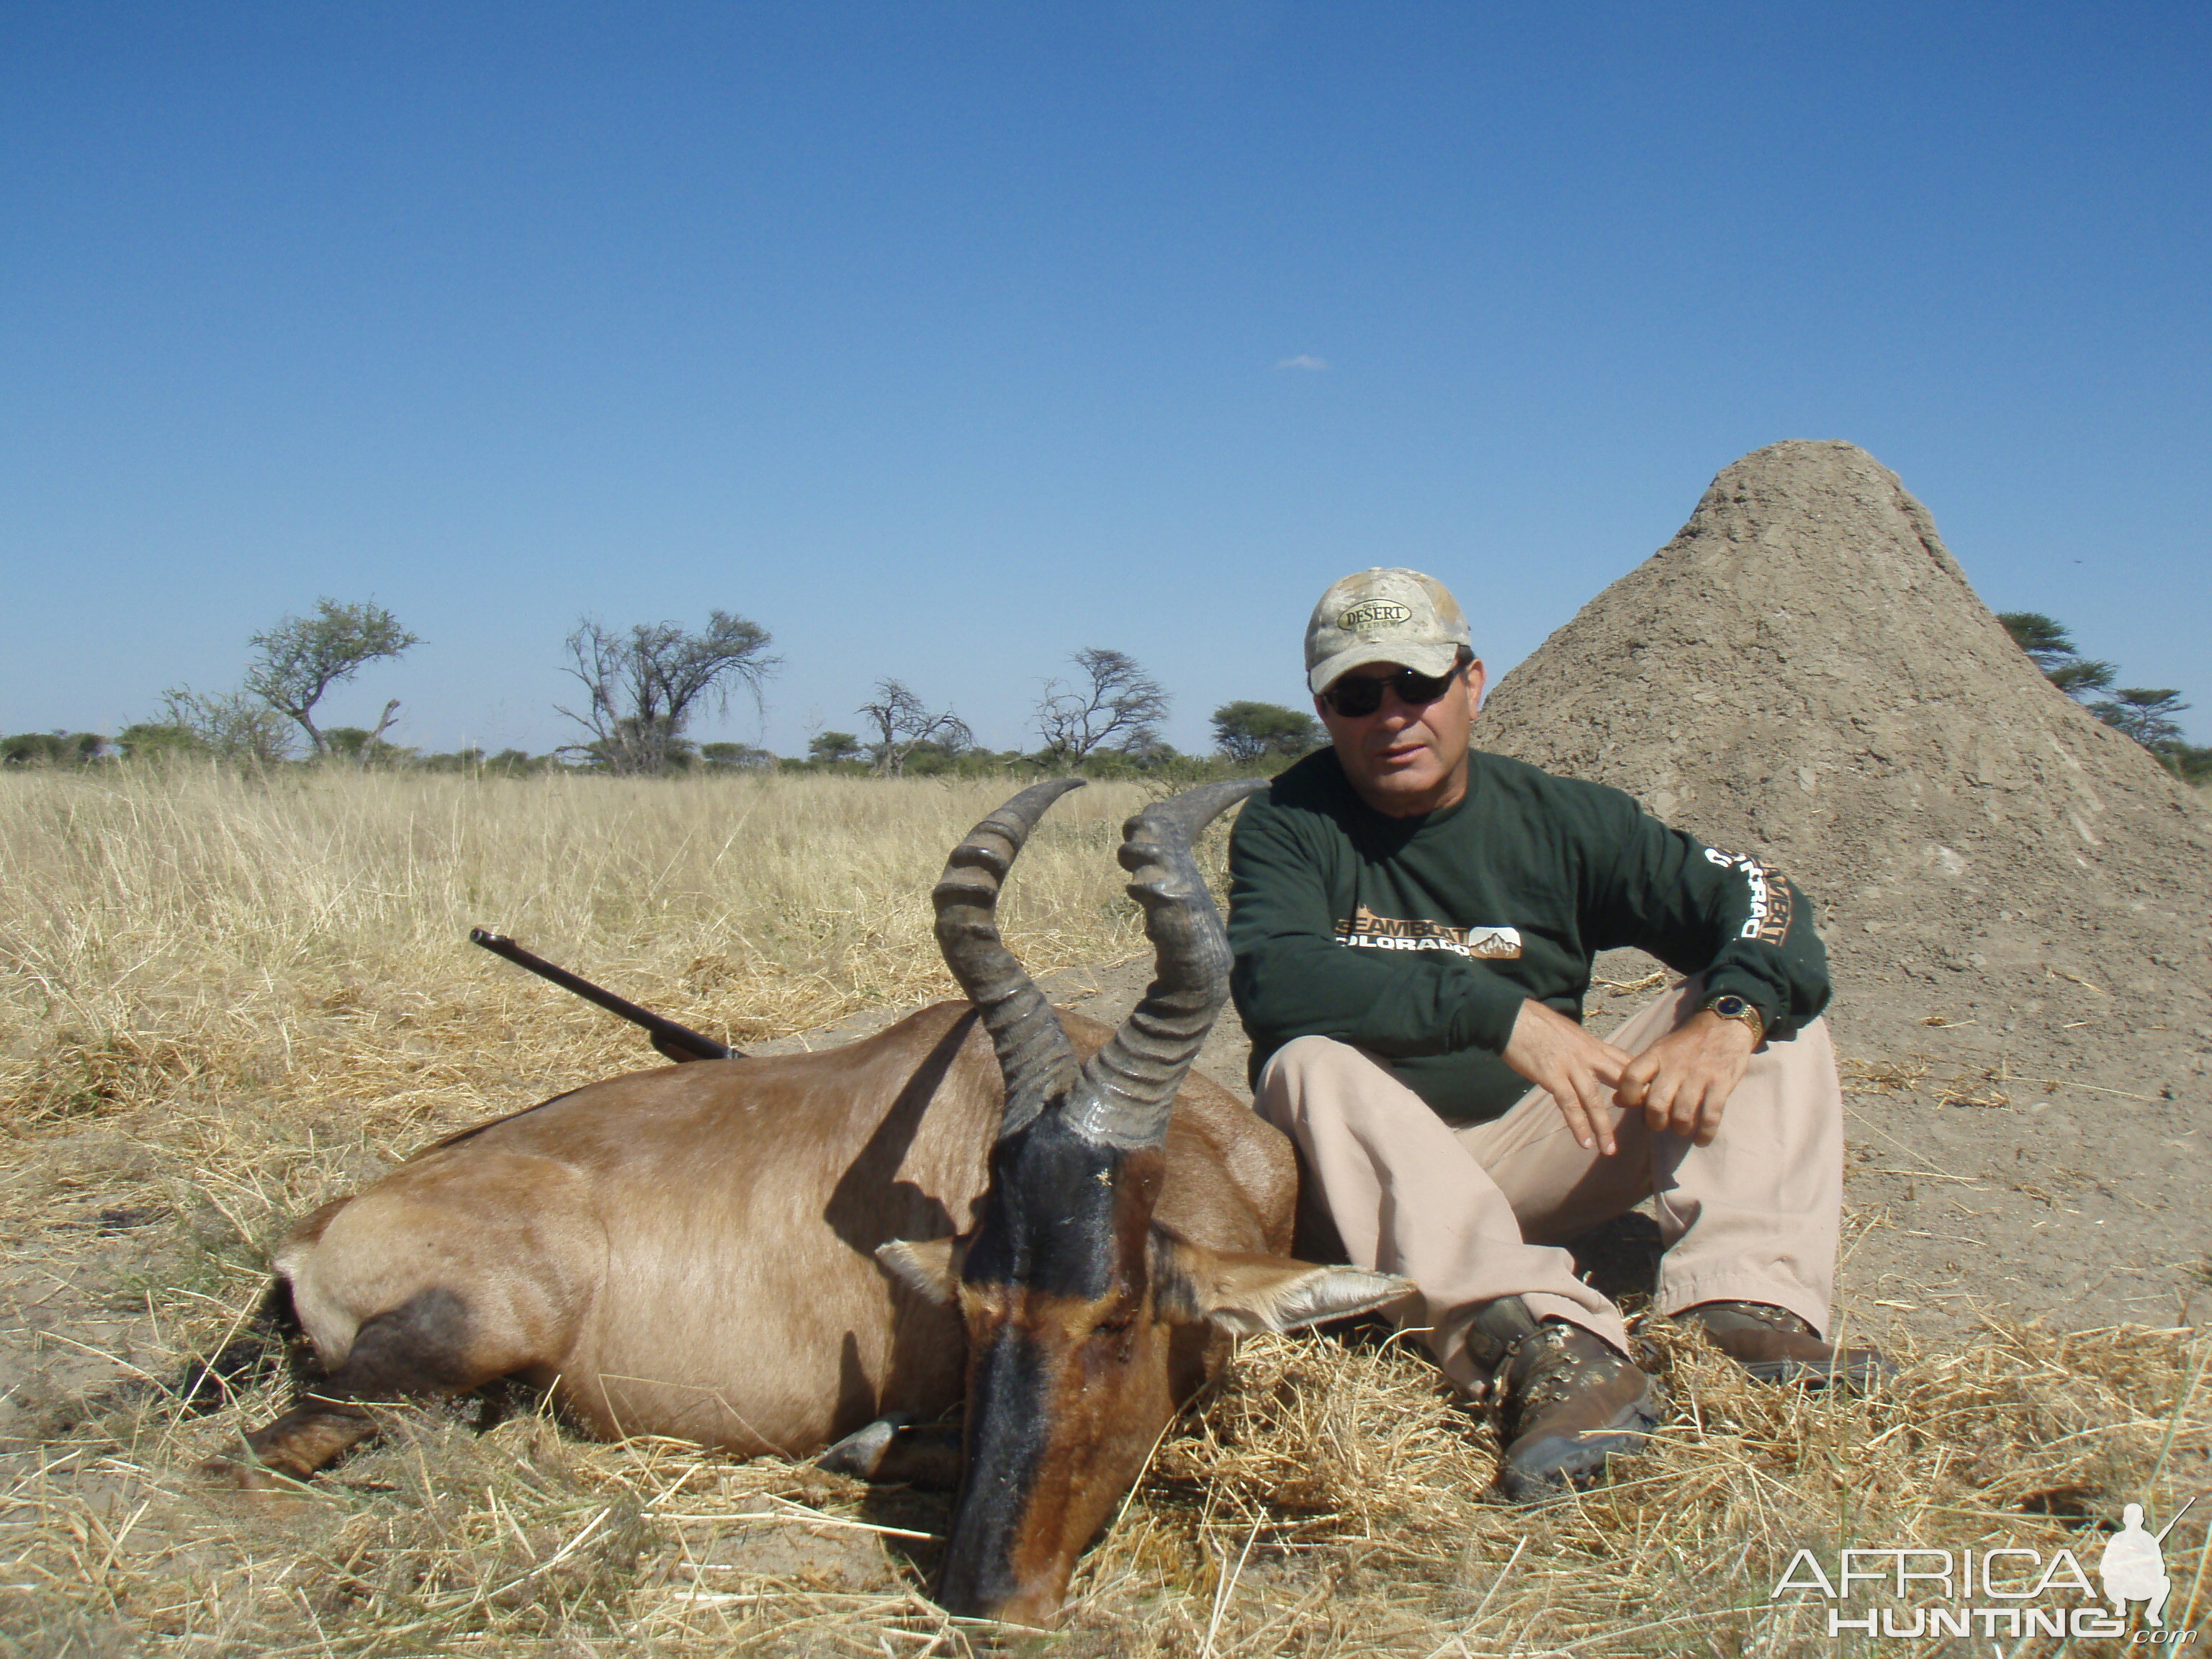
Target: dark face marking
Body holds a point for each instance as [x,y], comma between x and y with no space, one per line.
[1067,1382]
[1059,1207]
[1005,1442]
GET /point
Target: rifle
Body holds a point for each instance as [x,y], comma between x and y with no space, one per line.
[677,1043]
[2160,1535]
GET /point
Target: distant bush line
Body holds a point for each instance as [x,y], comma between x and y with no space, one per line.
[643,687]
[645,684]
[89,751]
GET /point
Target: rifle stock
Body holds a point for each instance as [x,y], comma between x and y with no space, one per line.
[677,1043]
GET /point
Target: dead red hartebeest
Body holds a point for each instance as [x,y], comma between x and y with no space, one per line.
[1055,1225]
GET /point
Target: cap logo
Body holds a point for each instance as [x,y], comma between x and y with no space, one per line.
[1374,613]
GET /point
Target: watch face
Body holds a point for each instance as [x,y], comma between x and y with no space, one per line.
[1729,1007]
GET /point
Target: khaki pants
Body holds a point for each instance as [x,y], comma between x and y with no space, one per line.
[1470,1214]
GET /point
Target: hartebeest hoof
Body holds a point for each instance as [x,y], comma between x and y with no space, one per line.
[861,1453]
[286,1453]
[890,1451]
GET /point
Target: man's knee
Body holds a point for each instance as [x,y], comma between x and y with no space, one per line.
[1308,1068]
[1800,1073]
[1307,1054]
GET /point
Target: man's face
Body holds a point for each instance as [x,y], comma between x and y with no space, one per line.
[1406,759]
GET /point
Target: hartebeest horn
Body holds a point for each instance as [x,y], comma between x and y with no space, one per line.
[1033,1052]
[1126,1091]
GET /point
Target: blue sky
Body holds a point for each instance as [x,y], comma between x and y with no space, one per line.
[944,339]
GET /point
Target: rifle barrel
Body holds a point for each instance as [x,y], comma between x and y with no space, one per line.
[2160,1534]
[678,1042]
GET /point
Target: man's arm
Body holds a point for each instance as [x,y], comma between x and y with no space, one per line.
[1736,920]
[1293,979]
[1748,930]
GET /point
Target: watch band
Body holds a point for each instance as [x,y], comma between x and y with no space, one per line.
[1729,1005]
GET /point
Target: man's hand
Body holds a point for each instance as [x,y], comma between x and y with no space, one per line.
[1683,1080]
[1580,1071]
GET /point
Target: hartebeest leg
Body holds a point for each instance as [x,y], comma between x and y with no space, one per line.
[296,1446]
[415,1351]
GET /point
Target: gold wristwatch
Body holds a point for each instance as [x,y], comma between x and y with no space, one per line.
[1729,1005]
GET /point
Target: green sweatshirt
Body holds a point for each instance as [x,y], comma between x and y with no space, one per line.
[1417,938]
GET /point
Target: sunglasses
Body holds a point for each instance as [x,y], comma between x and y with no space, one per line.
[1354,698]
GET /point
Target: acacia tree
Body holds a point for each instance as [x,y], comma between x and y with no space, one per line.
[1115,703]
[2051,648]
[736,758]
[1245,731]
[2145,713]
[644,684]
[302,657]
[904,724]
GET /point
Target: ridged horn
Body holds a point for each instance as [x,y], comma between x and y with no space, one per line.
[1033,1052]
[1126,1092]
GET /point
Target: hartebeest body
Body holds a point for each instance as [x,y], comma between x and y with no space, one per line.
[1051,1222]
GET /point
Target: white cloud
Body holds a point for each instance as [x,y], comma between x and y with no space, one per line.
[1302,361]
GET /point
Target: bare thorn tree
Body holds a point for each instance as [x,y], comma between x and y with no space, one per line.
[302,657]
[234,725]
[1114,704]
[903,724]
[645,684]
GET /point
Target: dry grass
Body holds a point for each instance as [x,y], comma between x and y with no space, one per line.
[224,1002]
[183,936]
[1326,1500]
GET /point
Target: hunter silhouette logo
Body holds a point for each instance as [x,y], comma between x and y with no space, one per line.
[1375,613]
[2134,1565]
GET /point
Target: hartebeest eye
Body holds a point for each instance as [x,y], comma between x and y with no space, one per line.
[1118,1323]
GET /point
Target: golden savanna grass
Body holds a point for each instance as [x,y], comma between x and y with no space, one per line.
[225,1000]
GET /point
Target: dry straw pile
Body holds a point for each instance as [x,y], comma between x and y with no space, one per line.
[226,1001]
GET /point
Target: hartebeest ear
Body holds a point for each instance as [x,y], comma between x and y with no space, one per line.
[928,1267]
[1247,1292]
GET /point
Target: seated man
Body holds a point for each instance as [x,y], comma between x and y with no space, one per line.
[1413,923]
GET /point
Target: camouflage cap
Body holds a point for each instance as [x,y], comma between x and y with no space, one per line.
[1384,615]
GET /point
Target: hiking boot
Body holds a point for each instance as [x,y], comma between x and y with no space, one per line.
[1568,1400]
[1775,1346]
